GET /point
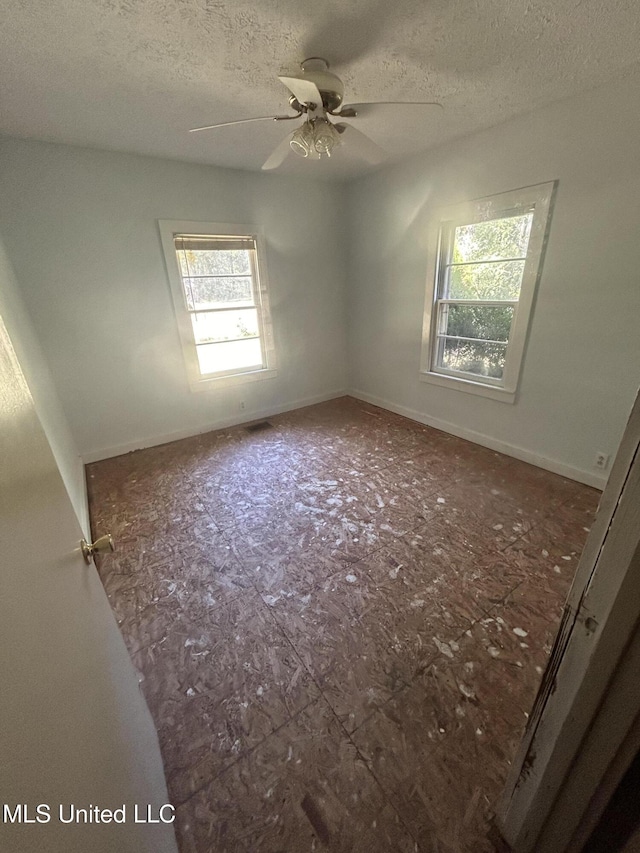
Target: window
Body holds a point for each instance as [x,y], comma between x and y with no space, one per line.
[486,263]
[217,278]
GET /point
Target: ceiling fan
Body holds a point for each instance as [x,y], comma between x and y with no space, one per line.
[316,94]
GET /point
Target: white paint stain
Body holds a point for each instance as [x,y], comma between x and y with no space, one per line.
[557,570]
[441,501]
[393,573]
[520,632]
[443,648]
[351,579]
[497,527]
[466,691]
[418,602]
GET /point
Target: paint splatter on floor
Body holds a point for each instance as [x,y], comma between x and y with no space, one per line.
[329,617]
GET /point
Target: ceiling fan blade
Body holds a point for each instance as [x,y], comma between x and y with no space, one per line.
[369,107]
[278,155]
[361,144]
[305,91]
[244,121]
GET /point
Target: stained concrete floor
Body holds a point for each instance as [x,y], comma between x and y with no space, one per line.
[340,622]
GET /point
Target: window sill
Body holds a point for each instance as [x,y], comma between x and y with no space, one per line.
[215,382]
[458,384]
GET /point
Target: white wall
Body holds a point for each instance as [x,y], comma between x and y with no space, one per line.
[42,388]
[582,366]
[81,230]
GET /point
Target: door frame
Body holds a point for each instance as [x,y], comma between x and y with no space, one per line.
[573,752]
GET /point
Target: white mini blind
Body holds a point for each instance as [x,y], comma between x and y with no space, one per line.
[200,243]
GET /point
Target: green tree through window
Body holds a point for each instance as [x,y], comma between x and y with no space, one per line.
[485,265]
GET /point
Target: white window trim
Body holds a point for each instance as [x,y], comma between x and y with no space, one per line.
[541,197]
[168,231]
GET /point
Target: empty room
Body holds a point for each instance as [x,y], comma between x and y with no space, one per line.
[319,353]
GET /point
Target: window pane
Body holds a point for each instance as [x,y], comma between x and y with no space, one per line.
[216,358]
[499,280]
[214,262]
[481,358]
[492,323]
[495,239]
[225,325]
[214,292]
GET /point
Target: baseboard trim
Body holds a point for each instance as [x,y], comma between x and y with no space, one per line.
[223,423]
[581,476]
[569,471]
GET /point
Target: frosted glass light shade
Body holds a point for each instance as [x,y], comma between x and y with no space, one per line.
[302,141]
[325,136]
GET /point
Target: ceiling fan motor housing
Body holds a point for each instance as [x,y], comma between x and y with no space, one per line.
[330,85]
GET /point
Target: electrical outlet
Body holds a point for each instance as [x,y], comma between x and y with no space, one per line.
[243,406]
[601,460]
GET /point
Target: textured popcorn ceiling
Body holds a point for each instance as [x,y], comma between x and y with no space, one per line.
[134,75]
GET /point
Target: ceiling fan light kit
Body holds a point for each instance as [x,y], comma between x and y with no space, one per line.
[317,93]
[317,137]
